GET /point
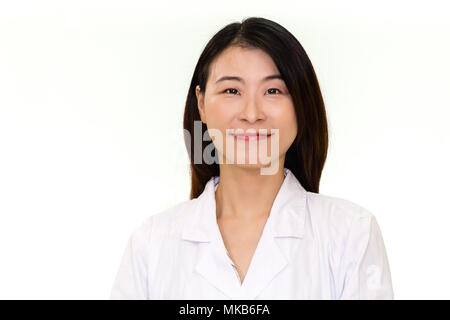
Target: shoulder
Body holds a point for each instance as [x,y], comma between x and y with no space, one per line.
[338,219]
[330,208]
[163,223]
[343,225]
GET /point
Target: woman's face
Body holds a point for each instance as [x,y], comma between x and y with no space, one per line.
[232,107]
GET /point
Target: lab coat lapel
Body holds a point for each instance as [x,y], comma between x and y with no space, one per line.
[217,270]
[212,262]
[268,260]
[286,219]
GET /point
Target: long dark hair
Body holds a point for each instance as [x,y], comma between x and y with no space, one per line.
[307,154]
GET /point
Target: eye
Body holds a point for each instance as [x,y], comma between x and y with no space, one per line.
[225,91]
[274,89]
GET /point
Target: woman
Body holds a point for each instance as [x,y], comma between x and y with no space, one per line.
[256,229]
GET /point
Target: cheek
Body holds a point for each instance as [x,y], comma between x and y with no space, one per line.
[217,113]
[218,117]
[288,130]
[286,121]
[292,126]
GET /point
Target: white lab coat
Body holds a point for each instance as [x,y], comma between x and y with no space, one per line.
[313,246]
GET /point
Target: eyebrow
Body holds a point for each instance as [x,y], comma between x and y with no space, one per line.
[273,76]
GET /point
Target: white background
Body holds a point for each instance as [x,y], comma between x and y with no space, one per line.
[92,96]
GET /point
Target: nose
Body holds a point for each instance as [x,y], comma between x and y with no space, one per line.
[251,111]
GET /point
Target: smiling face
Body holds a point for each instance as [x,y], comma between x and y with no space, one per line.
[245,93]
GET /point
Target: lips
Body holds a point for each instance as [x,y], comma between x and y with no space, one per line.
[251,135]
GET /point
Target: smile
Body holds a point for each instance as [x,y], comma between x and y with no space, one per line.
[250,136]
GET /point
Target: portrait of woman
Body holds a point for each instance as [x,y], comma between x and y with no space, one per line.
[256,229]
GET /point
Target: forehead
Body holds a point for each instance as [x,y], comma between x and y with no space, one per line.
[251,64]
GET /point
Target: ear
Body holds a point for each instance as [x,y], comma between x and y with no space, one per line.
[200,103]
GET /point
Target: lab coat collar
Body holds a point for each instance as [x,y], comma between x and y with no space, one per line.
[287,213]
[286,219]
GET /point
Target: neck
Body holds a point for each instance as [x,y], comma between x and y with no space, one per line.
[245,194]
